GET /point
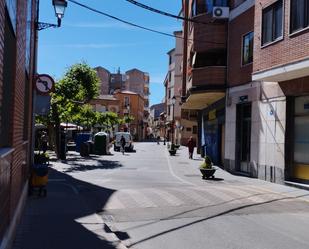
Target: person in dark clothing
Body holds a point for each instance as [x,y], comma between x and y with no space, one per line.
[158,139]
[122,143]
[191,145]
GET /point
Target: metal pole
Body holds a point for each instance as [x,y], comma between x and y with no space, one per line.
[173,127]
[34,73]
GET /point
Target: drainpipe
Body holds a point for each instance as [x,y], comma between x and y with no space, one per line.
[185,51]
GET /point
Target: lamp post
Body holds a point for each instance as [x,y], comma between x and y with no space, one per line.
[59,6]
[173,123]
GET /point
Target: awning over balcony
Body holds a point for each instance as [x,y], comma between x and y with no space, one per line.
[198,101]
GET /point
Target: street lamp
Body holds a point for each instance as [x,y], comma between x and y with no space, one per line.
[173,123]
[128,108]
[59,6]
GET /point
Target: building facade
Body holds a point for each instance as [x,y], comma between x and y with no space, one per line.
[155,121]
[138,82]
[281,60]
[17,67]
[104,76]
[178,119]
[205,73]
[132,104]
[248,81]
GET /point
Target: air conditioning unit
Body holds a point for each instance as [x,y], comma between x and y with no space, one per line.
[220,12]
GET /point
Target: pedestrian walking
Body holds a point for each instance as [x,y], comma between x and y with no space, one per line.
[123,144]
[158,139]
[191,145]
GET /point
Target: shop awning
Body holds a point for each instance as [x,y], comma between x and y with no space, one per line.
[198,101]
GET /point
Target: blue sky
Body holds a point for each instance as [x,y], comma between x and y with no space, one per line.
[100,41]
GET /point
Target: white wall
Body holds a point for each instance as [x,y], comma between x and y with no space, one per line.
[267,127]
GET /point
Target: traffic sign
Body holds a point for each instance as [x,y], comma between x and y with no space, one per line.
[44,84]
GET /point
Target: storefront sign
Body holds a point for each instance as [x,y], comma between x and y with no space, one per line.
[243,98]
[212,114]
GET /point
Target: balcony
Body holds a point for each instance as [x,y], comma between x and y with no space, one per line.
[210,77]
[214,33]
[206,85]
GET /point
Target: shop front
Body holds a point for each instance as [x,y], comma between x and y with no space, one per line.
[299,142]
[211,124]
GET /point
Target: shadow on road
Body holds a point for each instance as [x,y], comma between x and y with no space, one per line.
[60,220]
[100,164]
[215,179]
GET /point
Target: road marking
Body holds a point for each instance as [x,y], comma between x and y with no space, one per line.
[174,175]
[140,198]
[167,197]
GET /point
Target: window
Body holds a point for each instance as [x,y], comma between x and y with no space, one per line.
[194,129]
[169,93]
[26,107]
[193,8]
[28,35]
[272,23]
[11,6]
[126,101]
[170,60]
[247,48]
[9,62]
[299,15]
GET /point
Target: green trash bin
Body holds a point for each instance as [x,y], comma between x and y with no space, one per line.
[101,141]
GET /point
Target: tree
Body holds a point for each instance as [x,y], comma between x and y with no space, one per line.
[79,85]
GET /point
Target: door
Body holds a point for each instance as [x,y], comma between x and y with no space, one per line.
[243,137]
[212,141]
[301,138]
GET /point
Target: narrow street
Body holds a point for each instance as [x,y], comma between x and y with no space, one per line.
[149,199]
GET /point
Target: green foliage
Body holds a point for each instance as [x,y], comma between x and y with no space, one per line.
[79,84]
[207,164]
[127,119]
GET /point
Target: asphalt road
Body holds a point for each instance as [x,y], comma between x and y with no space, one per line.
[160,201]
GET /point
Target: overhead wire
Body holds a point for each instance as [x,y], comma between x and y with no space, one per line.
[136,25]
[149,8]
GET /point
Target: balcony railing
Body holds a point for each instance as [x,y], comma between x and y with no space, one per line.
[211,76]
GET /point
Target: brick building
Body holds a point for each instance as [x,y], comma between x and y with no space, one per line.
[204,73]
[104,76]
[17,38]
[185,122]
[262,102]
[281,56]
[241,93]
[138,82]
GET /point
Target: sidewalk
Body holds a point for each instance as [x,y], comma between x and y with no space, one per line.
[185,167]
[66,218]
